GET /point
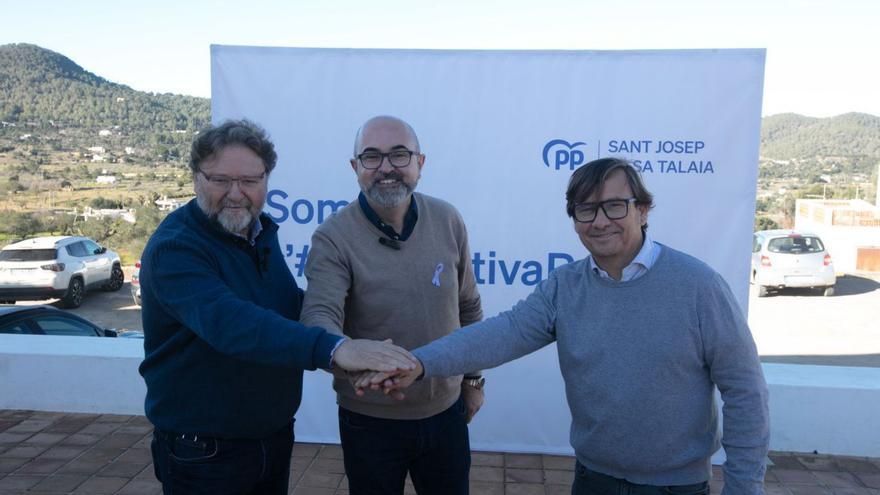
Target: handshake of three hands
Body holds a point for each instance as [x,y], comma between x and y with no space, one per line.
[375,365]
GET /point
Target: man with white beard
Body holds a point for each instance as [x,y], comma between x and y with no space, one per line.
[396,264]
[223,352]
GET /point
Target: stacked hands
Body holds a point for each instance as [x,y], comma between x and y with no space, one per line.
[374,365]
[370,364]
[389,382]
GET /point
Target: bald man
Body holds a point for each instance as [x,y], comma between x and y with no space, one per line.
[396,264]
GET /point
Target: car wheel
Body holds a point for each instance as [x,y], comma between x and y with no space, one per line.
[763,291]
[74,295]
[117,279]
[829,291]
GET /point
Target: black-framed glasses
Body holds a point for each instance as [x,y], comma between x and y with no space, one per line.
[224,182]
[371,160]
[614,209]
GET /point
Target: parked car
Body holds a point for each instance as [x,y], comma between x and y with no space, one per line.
[62,267]
[48,320]
[136,283]
[784,258]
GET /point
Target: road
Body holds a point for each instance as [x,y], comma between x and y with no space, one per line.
[804,327]
[107,309]
[794,326]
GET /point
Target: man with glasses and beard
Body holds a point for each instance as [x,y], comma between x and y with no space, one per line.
[645,333]
[396,264]
[223,352]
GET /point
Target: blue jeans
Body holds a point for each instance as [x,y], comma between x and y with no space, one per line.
[588,482]
[191,464]
[379,452]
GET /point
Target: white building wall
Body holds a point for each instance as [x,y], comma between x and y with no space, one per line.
[842,242]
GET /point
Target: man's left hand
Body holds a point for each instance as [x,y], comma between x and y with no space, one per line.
[473,400]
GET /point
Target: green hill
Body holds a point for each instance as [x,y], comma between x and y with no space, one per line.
[46,93]
[786,136]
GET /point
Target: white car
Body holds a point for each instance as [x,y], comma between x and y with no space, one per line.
[785,258]
[62,267]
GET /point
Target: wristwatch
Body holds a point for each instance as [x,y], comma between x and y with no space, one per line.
[476,382]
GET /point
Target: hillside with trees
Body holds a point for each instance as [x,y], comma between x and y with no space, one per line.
[47,93]
[61,127]
[789,135]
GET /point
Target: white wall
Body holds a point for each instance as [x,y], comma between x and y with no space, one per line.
[832,410]
[842,242]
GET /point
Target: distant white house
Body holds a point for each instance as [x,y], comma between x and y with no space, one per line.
[106,179]
[90,213]
[129,150]
[97,149]
[24,137]
[105,132]
[166,204]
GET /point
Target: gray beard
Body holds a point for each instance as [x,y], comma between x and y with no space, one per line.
[231,222]
[390,198]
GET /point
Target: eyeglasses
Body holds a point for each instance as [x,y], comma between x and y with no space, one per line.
[614,209]
[224,182]
[371,160]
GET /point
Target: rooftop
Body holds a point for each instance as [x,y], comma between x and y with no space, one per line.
[64,453]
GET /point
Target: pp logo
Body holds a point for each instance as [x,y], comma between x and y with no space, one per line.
[559,152]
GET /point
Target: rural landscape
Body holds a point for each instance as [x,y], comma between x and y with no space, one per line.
[82,155]
[102,164]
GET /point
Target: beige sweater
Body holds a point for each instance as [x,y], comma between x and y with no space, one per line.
[364,289]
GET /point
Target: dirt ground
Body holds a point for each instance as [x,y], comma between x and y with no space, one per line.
[801,326]
[107,309]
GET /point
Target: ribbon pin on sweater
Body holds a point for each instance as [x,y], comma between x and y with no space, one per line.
[437,272]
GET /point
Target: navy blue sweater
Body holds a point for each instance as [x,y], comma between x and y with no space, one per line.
[224,353]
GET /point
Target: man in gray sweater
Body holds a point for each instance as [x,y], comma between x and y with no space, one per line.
[644,334]
[396,264]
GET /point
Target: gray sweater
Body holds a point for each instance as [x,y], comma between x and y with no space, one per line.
[413,295]
[639,360]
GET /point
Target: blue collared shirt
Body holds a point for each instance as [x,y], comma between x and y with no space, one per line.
[256,228]
[639,265]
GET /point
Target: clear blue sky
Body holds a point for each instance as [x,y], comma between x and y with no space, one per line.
[822,57]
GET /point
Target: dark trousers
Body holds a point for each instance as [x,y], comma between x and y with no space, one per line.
[379,452]
[588,482]
[191,464]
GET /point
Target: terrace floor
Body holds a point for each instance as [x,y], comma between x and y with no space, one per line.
[61,453]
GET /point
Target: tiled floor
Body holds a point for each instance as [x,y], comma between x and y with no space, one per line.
[55,453]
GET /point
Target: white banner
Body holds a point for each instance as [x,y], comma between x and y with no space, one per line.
[502,132]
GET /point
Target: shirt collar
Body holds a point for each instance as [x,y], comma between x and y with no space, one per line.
[409,220]
[643,261]
[254,231]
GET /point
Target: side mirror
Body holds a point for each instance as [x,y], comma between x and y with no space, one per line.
[101,250]
[109,332]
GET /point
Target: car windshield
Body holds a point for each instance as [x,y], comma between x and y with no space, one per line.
[27,255]
[795,245]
